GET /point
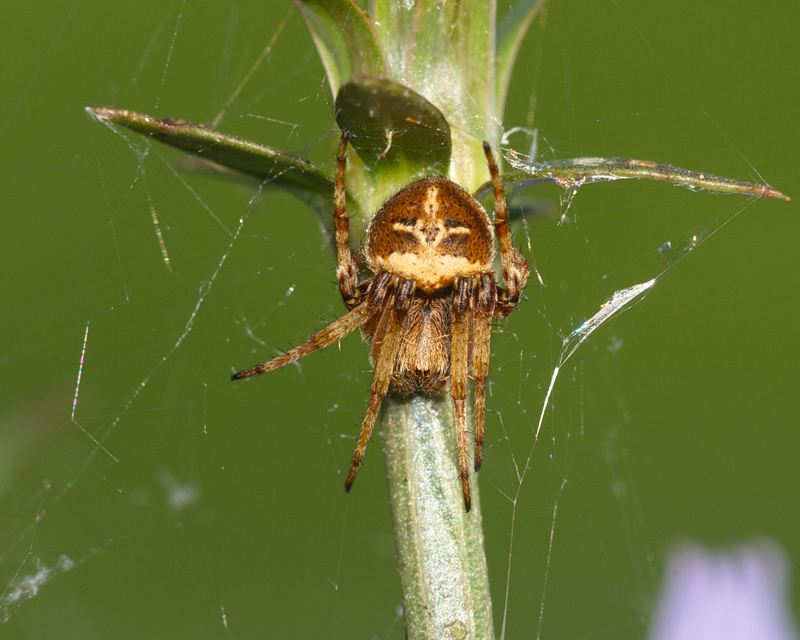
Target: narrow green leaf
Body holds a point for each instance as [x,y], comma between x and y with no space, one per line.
[510,34]
[577,171]
[267,165]
[345,38]
[393,127]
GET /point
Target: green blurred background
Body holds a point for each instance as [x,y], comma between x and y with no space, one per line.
[676,421]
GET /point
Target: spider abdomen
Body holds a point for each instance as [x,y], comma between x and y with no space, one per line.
[423,358]
[423,361]
[431,231]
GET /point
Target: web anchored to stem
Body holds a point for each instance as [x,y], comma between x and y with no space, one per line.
[404,129]
[155,470]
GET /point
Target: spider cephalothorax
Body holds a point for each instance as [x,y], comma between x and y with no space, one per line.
[428,308]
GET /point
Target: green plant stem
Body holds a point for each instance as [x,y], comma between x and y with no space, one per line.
[440,551]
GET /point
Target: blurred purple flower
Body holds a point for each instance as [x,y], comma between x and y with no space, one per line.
[738,595]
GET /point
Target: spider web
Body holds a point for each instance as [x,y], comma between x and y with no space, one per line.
[144,494]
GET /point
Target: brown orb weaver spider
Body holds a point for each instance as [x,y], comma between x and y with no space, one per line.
[428,308]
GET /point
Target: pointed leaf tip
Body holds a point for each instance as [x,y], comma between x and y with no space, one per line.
[345,38]
[586,170]
[267,165]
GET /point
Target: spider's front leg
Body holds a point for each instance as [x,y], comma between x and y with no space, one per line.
[486,304]
[515,268]
[463,317]
[347,268]
[391,297]
[474,302]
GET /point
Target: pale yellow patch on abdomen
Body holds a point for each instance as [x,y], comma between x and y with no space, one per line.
[430,271]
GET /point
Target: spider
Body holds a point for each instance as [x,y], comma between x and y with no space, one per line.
[428,308]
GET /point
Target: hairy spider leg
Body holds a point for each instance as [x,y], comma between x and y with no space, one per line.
[515,269]
[487,297]
[399,297]
[347,267]
[463,311]
[347,273]
[330,334]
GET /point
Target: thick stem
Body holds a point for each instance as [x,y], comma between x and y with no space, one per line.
[440,552]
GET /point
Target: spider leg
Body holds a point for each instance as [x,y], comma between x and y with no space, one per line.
[487,298]
[463,304]
[347,268]
[330,334]
[515,268]
[399,299]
